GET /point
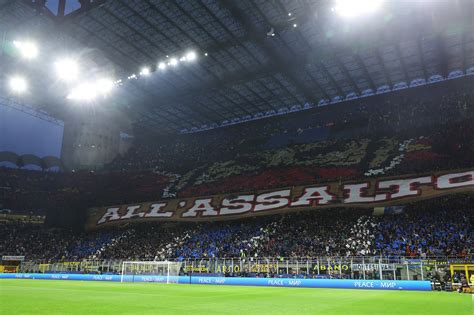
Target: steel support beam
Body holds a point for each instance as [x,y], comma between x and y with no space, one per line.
[277,62]
[422,58]
[366,71]
[443,56]
[402,62]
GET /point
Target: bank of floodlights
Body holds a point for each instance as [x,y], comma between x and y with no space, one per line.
[90,91]
[145,71]
[173,62]
[18,84]
[67,69]
[27,49]
[162,66]
[191,56]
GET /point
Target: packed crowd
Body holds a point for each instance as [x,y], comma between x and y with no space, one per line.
[424,233]
[442,227]
[382,115]
[335,160]
[51,244]
[413,131]
[447,148]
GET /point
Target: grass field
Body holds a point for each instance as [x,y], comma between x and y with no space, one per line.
[77,297]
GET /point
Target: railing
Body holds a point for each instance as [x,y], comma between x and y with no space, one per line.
[383,268]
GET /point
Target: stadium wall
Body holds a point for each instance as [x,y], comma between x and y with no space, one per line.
[270,282]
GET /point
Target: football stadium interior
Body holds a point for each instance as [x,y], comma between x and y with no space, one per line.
[236,156]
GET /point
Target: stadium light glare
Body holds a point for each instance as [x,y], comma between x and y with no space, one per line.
[145,71]
[351,8]
[162,66]
[191,56]
[18,84]
[67,69]
[104,86]
[173,61]
[83,92]
[89,91]
[28,50]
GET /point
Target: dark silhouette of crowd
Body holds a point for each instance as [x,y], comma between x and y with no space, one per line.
[26,191]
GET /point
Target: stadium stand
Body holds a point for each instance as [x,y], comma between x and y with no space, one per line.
[25,190]
[440,228]
[430,133]
[311,144]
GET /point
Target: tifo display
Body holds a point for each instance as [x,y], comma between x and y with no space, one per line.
[297,198]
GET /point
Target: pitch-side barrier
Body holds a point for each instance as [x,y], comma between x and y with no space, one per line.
[271,282]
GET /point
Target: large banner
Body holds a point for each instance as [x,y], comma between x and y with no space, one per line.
[369,193]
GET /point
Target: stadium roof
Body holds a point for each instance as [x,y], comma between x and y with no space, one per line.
[255,57]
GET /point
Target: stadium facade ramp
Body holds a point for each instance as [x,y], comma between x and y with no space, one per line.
[45,163]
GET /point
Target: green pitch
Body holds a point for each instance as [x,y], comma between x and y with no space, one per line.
[77,297]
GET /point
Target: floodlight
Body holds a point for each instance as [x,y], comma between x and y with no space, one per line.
[67,69]
[295,25]
[83,92]
[28,50]
[162,66]
[191,56]
[351,8]
[104,86]
[90,90]
[173,61]
[18,84]
[145,71]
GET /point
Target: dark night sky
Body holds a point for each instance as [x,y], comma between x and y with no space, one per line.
[25,134]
